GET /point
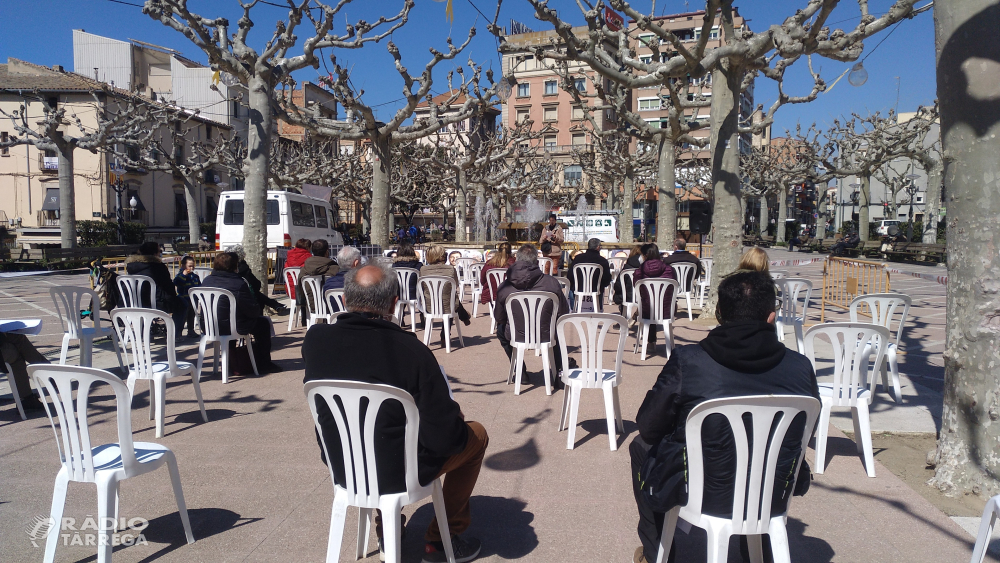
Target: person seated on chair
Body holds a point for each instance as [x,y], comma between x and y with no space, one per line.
[147,263]
[249,315]
[348,258]
[243,269]
[850,241]
[437,265]
[590,256]
[502,258]
[17,352]
[742,356]
[618,294]
[682,255]
[654,267]
[525,275]
[319,264]
[371,349]
[298,255]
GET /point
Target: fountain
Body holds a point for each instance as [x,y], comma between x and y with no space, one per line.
[480,219]
[492,218]
[534,211]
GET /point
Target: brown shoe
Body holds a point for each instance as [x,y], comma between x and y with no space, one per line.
[639,556]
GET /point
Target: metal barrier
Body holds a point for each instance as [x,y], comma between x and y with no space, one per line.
[844,279]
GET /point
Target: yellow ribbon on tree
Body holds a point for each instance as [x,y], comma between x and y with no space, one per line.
[449,12]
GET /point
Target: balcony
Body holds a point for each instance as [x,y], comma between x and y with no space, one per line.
[48,218]
[48,164]
[567,149]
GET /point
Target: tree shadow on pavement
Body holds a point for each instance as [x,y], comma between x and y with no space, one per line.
[517,459]
[502,524]
[599,427]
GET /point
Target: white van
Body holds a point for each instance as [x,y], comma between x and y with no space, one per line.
[290,216]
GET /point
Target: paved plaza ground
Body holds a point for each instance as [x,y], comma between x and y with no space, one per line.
[257,490]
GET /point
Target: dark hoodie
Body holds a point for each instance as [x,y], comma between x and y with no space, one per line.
[654,269]
[526,276]
[735,359]
[153,267]
[409,262]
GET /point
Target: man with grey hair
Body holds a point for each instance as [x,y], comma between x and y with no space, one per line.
[681,254]
[370,349]
[348,259]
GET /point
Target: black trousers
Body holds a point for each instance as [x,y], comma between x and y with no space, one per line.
[261,333]
[505,343]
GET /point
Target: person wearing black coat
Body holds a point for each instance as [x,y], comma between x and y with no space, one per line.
[680,254]
[249,319]
[147,263]
[620,294]
[740,357]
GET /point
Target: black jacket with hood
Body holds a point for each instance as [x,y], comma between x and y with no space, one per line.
[735,359]
[151,266]
[526,276]
[590,257]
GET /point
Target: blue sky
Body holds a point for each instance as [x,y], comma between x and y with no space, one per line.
[902,67]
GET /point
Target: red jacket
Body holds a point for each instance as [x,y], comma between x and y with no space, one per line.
[296,257]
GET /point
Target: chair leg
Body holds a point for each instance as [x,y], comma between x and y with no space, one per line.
[364,531]
[15,392]
[201,357]
[564,413]
[645,340]
[822,429]
[65,349]
[546,369]
[618,410]
[55,514]
[292,317]
[195,377]
[175,481]
[458,329]
[799,340]
[223,350]
[865,435]
[86,350]
[986,525]
[780,328]
[160,382]
[890,361]
[668,337]
[779,540]
[667,535]
[574,411]
[217,353]
[413,318]
[437,496]
[718,545]
[392,533]
[755,546]
[106,492]
[337,521]
[609,413]
[253,360]
[518,370]
[690,313]
[428,323]
[118,349]
[152,400]
[446,323]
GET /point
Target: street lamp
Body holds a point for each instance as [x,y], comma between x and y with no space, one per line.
[120,187]
[854,200]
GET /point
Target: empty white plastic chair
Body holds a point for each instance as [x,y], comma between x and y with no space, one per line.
[536,317]
[563,284]
[361,402]
[291,282]
[986,525]
[137,291]
[472,274]
[69,301]
[661,293]
[592,331]
[407,298]
[463,267]
[630,299]
[684,272]
[889,310]
[587,285]
[105,465]
[706,280]
[495,279]
[312,297]
[207,300]
[203,273]
[14,391]
[852,381]
[795,294]
[333,300]
[134,327]
[755,472]
[547,266]
[434,292]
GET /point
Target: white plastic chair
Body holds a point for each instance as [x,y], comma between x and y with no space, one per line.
[135,289]
[778,274]
[472,274]
[531,323]
[69,301]
[312,296]
[852,382]
[587,283]
[333,301]
[795,294]
[547,266]
[705,282]
[883,308]
[291,282]
[207,299]
[203,273]
[105,465]
[432,288]
[358,444]
[627,280]
[495,279]
[755,474]
[684,272]
[462,267]
[656,290]
[14,391]
[563,284]
[986,525]
[592,331]
[134,328]
[406,299]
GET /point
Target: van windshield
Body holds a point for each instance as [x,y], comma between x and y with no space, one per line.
[232,214]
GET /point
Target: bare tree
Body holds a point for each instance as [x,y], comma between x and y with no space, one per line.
[614,167]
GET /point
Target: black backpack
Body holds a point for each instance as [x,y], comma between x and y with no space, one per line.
[663,476]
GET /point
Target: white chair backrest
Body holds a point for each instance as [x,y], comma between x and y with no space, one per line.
[795,294]
[656,290]
[755,470]
[133,288]
[592,332]
[333,300]
[531,306]
[778,274]
[405,276]
[887,309]
[463,263]
[134,328]
[203,273]
[706,267]
[586,277]
[616,263]
[471,273]
[70,422]
[627,279]
[292,277]
[546,265]
[69,301]
[684,272]
[312,289]
[563,283]
[358,441]
[851,375]
[438,289]
[206,299]
[495,278]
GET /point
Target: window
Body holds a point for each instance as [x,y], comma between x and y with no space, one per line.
[233,213]
[208,131]
[4,137]
[302,214]
[578,112]
[550,141]
[572,175]
[321,217]
[654,123]
[550,113]
[918,199]
[649,40]
[647,104]
[579,139]
[235,109]
[460,125]
[580,84]
[645,59]
[523,90]
[551,88]
[522,115]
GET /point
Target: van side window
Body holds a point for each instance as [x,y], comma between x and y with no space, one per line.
[302,214]
[321,217]
[232,214]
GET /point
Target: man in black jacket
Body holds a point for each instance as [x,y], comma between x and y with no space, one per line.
[248,312]
[147,263]
[740,357]
[370,349]
[680,254]
[590,256]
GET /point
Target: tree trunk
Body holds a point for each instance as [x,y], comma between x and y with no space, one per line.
[67,196]
[864,200]
[461,209]
[764,217]
[966,457]
[666,205]
[194,226]
[380,192]
[727,215]
[255,168]
[933,202]
[366,218]
[625,234]
[779,231]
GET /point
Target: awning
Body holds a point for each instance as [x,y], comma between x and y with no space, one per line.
[51,202]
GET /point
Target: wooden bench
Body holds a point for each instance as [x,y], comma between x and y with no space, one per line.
[87,254]
[754,240]
[916,251]
[867,249]
[822,245]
